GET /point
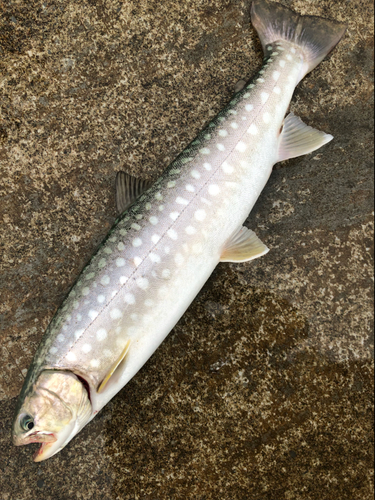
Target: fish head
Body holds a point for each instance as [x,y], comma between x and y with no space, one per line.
[54,410]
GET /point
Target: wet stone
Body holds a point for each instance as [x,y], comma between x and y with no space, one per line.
[264,389]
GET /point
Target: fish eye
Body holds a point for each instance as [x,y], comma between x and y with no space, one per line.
[27,423]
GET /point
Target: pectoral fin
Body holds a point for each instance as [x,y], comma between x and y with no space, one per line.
[128,189]
[297,138]
[113,368]
[244,245]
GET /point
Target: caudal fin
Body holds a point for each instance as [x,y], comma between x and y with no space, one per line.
[316,36]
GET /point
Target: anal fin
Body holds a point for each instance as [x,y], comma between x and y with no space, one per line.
[244,245]
[297,138]
[113,368]
[128,189]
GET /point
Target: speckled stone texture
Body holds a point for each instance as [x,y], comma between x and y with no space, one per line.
[263,391]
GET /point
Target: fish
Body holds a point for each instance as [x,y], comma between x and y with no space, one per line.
[169,237]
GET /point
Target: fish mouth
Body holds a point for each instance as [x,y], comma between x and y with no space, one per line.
[40,454]
[36,437]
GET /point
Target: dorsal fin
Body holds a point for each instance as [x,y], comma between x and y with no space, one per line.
[128,189]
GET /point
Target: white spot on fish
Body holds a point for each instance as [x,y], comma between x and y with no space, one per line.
[245,96]
[53,350]
[107,250]
[115,313]
[106,279]
[282,63]
[181,201]
[276,75]
[149,303]
[200,214]
[101,334]
[289,57]
[78,333]
[232,112]
[205,151]
[137,261]
[95,363]
[264,97]
[86,348]
[207,166]
[253,130]
[100,299]
[171,184]
[249,107]
[155,238]
[159,196]
[167,249]
[220,147]
[234,125]
[266,117]
[123,232]
[120,262]
[241,147]
[174,215]
[135,226]
[277,90]
[129,298]
[142,283]
[85,290]
[154,220]
[60,337]
[172,234]
[90,276]
[227,169]
[190,230]
[195,174]
[123,280]
[107,353]
[260,80]
[137,242]
[148,206]
[154,258]
[190,188]
[71,356]
[274,54]
[186,160]
[161,208]
[293,50]
[93,314]
[121,246]
[223,133]
[213,189]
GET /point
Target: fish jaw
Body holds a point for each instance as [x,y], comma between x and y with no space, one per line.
[50,448]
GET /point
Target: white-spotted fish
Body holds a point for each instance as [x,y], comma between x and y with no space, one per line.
[166,244]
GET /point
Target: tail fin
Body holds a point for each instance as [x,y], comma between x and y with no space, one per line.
[316,36]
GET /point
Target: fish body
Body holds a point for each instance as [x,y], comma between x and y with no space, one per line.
[164,247]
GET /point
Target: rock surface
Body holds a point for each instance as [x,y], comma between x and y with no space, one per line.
[263,391]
